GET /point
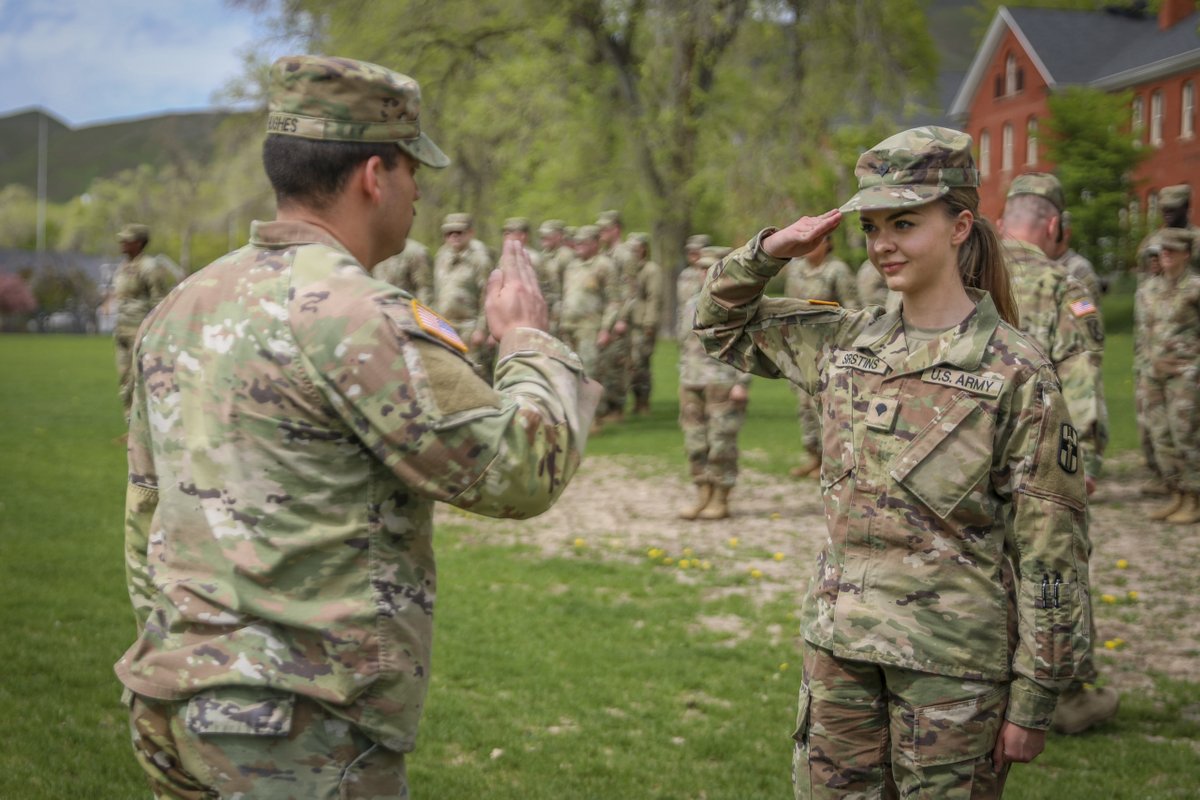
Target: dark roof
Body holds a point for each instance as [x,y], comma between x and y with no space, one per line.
[1082,47]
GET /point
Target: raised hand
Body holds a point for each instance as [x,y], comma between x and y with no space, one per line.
[513,299]
[802,236]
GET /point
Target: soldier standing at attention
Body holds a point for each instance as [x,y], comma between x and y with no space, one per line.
[294,421]
[1175,203]
[460,274]
[1172,356]
[647,314]
[410,270]
[591,301]
[141,282]
[948,450]
[556,254]
[820,278]
[712,404]
[616,355]
[1144,302]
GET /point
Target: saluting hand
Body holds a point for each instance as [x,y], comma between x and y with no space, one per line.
[513,299]
[802,236]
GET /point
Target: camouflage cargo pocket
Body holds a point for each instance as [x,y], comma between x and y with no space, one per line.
[958,731]
[244,710]
[948,458]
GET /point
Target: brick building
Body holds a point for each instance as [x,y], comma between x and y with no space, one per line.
[1027,53]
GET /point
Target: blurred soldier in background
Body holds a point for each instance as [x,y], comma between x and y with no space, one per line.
[1175,203]
[818,277]
[410,270]
[556,254]
[1144,303]
[712,403]
[613,368]
[140,283]
[647,314]
[460,274]
[872,288]
[1076,265]
[591,303]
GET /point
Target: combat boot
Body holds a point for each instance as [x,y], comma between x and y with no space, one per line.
[1173,505]
[810,468]
[641,406]
[1080,709]
[1188,513]
[705,494]
[718,506]
[1155,488]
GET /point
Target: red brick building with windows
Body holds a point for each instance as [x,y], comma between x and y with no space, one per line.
[1029,52]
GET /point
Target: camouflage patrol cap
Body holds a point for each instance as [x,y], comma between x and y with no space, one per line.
[698,241]
[456,223]
[711,254]
[1179,239]
[610,217]
[1042,184]
[550,226]
[1175,196]
[134,232]
[639,238]
[343,100]
[516,224]
[912,168]
[584,232]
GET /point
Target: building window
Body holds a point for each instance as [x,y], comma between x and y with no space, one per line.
[1187,119]
[985,154]
[1010,75]
[1156,117]
[1138,118]
[1031,143]
[999,85]
[1006,148]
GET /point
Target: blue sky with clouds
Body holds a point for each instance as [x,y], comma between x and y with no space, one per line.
[92,60]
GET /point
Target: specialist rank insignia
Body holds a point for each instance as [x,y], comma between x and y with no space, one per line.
[433,324]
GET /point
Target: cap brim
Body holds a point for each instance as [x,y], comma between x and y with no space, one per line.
[902,196]
[424,150]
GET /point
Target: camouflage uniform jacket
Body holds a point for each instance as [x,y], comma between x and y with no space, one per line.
[410,270]
[1059,315]
[696,367]
[1172,326]
[1082,270]
[831,280]
[626,268]
[647,304]
[591,294]
[1144,301]
[139,285]
[459,281]
[293,424]
[937,467]
[550,277]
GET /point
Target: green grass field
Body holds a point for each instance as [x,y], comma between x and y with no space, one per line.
[566,677]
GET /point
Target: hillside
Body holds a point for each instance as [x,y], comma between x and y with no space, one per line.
[76,156]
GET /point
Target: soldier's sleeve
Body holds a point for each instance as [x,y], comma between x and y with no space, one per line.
[1046,540]
[614,295]
[654,295]
[1077,353]
[773,337]
[141,502]
[507,451]
[161,276]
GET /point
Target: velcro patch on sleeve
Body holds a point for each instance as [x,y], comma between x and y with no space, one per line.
[1082,307]
[432,323]
[986,385]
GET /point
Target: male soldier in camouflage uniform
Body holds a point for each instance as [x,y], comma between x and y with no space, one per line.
[872,288]
[556,254]
[646,315]
[294,421]
[615,357]
[410,270]
[1144,303]
[460,274]
[1172,375]
[1062,318]
[1174,203]
[140,283]
[1076,265]
[822,278]
[712,403]
[591,303]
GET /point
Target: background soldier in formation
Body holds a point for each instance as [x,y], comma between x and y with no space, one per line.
[822,278]
[712,403]
[872,288]
[1149,267]
[1171,320]
[140,283]
[557,253]
[1175,203]
[616,354]
[1076,265]
[646,317]
[460,274]
[591,303]
[410,270]
[305,419]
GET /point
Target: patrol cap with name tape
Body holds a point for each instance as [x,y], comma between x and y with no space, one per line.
[514,224]
[456,222]
[1178,239]
[134,232]
[1175,196]
[1042,184]
[343,100]
[912,168]
[552,226]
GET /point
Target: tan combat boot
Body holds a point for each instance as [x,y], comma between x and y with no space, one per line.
[641,406]
[1080,708]
[718,506]
[693,511]
[1188,513]
[1173,505]
[810,468]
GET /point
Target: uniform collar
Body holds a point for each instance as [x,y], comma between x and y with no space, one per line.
[1020,244]
[275,234]
[963,346]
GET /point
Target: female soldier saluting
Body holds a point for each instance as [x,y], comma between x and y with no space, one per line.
[948,460]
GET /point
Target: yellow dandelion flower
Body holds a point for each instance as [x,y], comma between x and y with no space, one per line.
[687,551]
[580,543]
[1132,595]
[1109,644]
[783,667]
[1107,598]
[776,515]
[1122,564]
[684,563]
[756,573]
[705,565]
[733,541]
[778,556]
[668,561]
[1118,641]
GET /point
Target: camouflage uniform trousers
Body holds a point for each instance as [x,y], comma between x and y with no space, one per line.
[1175,427]
[873,730]
[711,423]
[582,339]
[612,371]
[1143,411]
[643,350]
[250,742]
[123,342]
[809,418]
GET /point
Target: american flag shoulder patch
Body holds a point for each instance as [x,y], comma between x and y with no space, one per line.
[1082,307]
[432,323]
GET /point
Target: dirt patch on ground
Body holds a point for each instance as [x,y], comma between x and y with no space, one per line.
[1144,574]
